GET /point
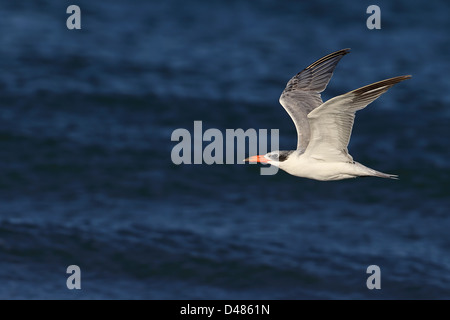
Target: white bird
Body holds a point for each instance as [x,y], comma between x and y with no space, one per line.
[324,129]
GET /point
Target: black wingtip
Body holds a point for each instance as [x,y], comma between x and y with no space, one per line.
[332,55]
[383,83]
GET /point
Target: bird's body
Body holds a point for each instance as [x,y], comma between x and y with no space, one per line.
[324,129]
[307,167]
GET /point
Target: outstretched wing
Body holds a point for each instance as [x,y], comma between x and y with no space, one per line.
[331,123]
[302,93]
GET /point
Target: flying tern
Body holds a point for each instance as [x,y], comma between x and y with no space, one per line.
[324,128]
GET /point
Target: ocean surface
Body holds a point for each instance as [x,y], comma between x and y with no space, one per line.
[87,179]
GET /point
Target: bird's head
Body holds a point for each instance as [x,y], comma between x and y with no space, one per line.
[274,158]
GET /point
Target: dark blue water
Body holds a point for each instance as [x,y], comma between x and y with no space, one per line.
[86,118]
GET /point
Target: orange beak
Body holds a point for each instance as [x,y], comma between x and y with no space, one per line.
[257,159]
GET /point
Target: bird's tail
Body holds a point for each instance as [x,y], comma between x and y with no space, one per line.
[368,172]
[385,175]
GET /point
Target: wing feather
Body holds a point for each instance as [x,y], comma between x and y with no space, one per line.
[332,122]
[302,93]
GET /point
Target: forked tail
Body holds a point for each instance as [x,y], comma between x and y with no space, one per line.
[385,175]
[368,172]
